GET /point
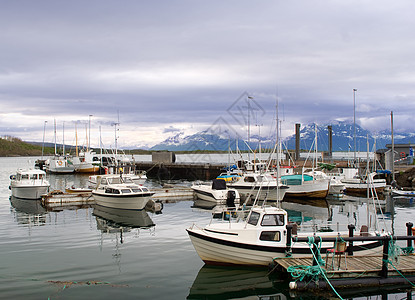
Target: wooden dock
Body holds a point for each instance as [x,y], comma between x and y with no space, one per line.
[361,271]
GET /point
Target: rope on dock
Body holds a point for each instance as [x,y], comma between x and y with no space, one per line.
[313,272]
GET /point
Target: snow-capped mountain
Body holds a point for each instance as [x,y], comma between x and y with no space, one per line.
[342,137]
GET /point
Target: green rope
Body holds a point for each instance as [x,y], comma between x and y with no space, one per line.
[313,272]
[389,262]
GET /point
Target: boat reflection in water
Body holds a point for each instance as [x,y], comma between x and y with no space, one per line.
[215,282]
[28,211]
[112,220]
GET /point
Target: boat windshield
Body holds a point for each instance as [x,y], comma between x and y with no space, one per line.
[125,191]
[253,218]
[273,220]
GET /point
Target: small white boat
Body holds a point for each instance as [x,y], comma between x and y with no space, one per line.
[336,187]
[358,186]
[29,184]
[59,165]
[217,193]
[259,238]
[261,185]
[115,191]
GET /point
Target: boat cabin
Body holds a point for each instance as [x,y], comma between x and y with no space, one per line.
[22,175]
[271,223]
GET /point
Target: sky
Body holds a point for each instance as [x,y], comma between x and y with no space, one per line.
[158,68]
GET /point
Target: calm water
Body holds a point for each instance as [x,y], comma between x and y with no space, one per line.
[87,254]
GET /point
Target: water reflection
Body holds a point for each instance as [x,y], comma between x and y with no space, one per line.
[28,211]
[111,220]
[214,282]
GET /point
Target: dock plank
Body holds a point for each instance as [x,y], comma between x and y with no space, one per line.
[363,265]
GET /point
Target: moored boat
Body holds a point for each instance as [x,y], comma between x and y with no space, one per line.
[121,193]
[260,238]
[217,193]
[259,185]
[29,184]
[305,186]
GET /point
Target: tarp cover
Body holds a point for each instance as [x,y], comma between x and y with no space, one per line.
[219,184]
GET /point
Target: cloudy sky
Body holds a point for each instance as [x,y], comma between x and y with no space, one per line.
[162,67]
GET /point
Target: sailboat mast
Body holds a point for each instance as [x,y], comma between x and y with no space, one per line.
[55,134]
[354,126]
[393,149]
[43,143]
[63,138]
[76,140]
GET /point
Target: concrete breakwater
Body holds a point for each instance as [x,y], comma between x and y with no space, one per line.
[187,171]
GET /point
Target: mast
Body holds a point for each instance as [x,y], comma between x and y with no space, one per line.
[393,149]
[76,140]
[89,134]
[55,134]
[278,152]
[43,143]
[63,138]
[354,126]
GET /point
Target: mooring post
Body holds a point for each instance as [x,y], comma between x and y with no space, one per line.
[315,250]
[351,234]
[289,235]
[385,258]
[409,233]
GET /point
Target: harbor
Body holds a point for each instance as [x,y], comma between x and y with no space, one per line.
[125,253]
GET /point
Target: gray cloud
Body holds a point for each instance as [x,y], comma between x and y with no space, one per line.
[182,64]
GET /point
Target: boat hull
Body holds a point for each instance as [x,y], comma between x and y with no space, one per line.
[218,251]
[133,202]
[29,192]
[214,196]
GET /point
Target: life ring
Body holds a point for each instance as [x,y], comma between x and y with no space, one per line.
[402,154]
[60,162]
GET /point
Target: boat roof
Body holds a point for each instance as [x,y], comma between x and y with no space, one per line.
[30,171]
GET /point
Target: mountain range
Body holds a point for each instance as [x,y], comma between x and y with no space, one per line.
[342,138]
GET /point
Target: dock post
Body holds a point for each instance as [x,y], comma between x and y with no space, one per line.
[351,234]
[315,250]
[385,258]
[409,233]
[288,244]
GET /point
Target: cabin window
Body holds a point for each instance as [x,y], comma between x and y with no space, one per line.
[33,177]
[274,236]
[273,220]
[125,191]
[40,176]
[253,218]
[25,176]
[249,179]
[103,181]
[136,190]
[144,189]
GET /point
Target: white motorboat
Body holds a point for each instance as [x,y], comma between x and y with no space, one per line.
[259,239]
[336,187]
[115,191]
[59,164]
[217,193]
[306,186]
[29,184]
[261,185]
